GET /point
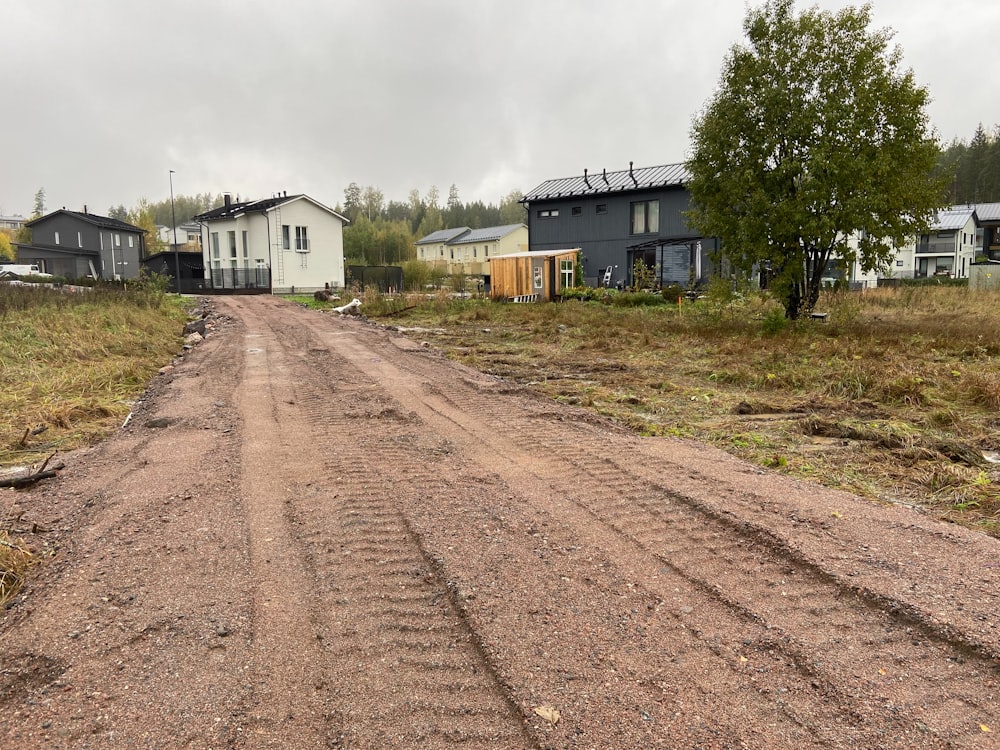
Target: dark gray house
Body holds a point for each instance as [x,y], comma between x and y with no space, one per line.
[76,244]
[616,218]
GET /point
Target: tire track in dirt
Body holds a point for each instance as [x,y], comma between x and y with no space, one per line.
[688,639]
[841,648]
[530,601]
[364,616]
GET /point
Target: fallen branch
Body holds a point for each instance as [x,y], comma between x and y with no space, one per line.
[36,476]
[19,482]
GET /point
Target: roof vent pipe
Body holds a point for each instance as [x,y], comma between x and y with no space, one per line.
[604,174]
[585,178]
[634,181]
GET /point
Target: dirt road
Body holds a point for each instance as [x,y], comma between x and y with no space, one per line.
[342,539]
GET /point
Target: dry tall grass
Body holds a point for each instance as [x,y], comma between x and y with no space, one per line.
[905,381]
[73,364]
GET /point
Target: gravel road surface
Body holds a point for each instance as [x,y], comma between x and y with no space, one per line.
[315,532]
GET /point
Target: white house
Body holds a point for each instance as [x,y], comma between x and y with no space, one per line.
[468,251]
[285,243]
[948,249]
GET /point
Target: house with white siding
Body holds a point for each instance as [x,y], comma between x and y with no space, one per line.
[468,251]
[284,244]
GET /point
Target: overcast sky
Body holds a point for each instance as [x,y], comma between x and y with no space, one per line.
[253,97]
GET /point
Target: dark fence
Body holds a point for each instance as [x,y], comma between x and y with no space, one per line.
[384,278]
[248,280]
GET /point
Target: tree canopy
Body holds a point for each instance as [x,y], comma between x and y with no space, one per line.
[815,135]
[973,169]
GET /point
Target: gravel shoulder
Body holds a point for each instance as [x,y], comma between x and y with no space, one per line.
[342,539]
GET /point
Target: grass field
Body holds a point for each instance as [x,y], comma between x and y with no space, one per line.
[71,365]
[894,396]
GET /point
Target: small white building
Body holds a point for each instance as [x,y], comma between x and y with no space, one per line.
[288,243]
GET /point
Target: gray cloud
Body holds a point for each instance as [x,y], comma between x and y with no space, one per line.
[254,97]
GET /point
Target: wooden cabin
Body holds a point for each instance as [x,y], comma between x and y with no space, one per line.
[533,276]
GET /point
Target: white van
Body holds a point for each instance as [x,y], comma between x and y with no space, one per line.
[23,270]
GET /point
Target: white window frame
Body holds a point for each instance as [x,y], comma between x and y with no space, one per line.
[301,239]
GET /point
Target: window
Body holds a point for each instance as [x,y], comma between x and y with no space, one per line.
[538,277]
[286,234]
[452,253]
[602,208]
[118,240]
[246,246]
[301,240]
[566,273]
[215,250]
[645,217]
[79,239]
[231,239]
[131,239]
[57,238]
[474,251]
[486,251]
[577,211]
[548,213]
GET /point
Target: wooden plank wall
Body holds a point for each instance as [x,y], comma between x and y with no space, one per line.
[512,277]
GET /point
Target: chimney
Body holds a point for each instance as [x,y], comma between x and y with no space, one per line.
[585,178]
[229,199]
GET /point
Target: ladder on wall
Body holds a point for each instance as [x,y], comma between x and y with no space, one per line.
[279,244]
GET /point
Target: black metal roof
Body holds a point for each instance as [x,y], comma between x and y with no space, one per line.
[242,207]
[643,178]
[105,222]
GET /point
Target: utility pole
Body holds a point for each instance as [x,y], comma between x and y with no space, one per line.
[173,220]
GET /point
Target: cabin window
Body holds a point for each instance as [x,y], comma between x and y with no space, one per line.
[577,211]
[602,208]
[548,213]
[57,238]
[645,217]
[286,237]
[566,273]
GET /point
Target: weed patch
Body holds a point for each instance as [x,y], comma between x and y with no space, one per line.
[899,385]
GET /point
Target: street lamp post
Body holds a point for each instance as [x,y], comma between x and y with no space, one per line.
[173,220]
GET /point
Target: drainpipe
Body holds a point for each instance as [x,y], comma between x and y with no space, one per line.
[270,272]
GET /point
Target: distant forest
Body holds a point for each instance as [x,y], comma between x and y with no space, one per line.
[974,168]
